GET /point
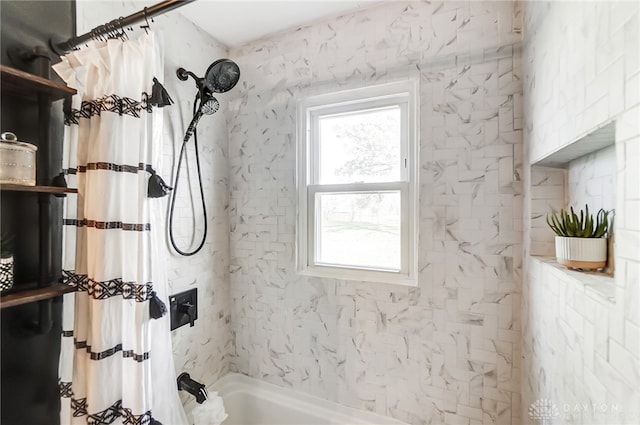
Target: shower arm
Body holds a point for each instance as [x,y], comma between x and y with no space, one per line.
[63,47]
[183,75]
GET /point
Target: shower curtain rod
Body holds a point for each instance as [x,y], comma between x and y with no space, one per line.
[62,47]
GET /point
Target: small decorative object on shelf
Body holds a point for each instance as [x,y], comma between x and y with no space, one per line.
[582,240]
[6,263]
[18,163]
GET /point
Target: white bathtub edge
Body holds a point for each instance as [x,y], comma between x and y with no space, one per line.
[236,382]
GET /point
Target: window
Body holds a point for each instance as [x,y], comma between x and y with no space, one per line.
[357,184]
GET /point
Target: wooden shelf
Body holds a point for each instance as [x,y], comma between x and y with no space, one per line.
[39,189]
[24,84]
[35,294]
[27,86]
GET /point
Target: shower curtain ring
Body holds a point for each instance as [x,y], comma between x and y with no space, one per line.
[122,33]
[123,29]
[115,30]
[146,27]
[109,30]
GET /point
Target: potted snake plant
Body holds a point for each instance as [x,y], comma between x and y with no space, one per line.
[6,262]
[582,239]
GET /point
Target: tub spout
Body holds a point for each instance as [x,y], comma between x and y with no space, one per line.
[194,388]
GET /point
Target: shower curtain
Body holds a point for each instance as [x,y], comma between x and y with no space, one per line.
[116,362]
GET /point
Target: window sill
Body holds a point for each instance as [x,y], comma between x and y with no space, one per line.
[597,283]
[359,275]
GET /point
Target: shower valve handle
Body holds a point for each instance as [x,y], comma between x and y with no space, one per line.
[188,309]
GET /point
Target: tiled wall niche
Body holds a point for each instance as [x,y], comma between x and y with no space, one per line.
[581,172]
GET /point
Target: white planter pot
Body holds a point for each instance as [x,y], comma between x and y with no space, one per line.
[581,253]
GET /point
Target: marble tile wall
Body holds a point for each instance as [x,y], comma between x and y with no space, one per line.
[581,350]
[547,191]
[591,180]
[598,42]
[447,351]
[203,350]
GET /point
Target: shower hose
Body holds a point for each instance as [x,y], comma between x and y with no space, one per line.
[175,189]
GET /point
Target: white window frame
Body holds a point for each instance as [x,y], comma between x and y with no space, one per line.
[398,93]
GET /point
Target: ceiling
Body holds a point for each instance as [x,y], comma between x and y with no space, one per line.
[237,22]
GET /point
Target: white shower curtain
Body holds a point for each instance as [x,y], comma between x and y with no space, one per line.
[116,363]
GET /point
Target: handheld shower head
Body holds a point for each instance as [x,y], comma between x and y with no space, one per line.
[208,106]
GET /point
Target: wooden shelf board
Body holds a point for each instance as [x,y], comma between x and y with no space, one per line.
[36,294]
[22,83]
[39,189]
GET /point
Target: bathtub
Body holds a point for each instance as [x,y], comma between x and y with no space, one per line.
[249,401]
